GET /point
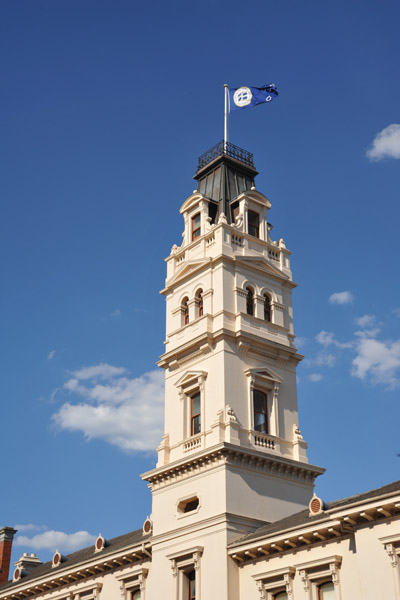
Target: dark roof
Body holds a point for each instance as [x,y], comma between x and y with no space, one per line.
[303,517]
[81,556]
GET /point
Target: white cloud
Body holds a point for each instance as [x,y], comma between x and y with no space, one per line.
[365,320]
[325,359]
[56,540]
[101,371]
[378,362]
[341,298]
[397,312]
[28,527]
[51,354]
[386,144]
[322,359]
[301,342]
[115,313]
[327,338]
[126,412]
[367,333]
[314,377]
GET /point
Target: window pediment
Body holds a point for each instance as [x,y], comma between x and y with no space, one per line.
[264,375]
[191,377]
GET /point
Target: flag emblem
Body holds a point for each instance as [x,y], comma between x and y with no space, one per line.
[242,97]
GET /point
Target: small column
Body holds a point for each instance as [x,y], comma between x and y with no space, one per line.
[274,411]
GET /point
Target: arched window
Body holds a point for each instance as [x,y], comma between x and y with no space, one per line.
[250,301]
[260,411]
[185,310]
[199,302]
[326,591]
[281,596]
[267,308]
[136,595]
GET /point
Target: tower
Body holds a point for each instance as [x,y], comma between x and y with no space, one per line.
[232,457]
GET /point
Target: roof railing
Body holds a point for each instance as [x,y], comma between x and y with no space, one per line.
[227,149]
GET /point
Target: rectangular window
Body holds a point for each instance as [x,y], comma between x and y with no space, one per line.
[192,585]
[195,415]
[326,591]
[260,411]
[235,211]
[196,222]
[253,223]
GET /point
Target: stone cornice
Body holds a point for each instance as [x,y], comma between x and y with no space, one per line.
[329,527]
[205,342]
[234,457]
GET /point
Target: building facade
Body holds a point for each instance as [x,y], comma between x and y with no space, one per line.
[233,514]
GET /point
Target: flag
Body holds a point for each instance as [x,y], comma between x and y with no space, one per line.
[242,97]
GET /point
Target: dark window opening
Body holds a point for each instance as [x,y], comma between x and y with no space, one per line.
[253,223]
[212,212]
[267,308]
[192,585]
[185,311]
[199,301]
[250,301]
[195,414]
[260,411]
[191,505]
[196,226]
[235,211]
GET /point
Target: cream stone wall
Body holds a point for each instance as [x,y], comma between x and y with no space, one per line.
[364,570]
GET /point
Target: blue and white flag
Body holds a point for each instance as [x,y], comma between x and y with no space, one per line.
[243,97]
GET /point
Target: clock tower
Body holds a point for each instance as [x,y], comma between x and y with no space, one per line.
[232,457]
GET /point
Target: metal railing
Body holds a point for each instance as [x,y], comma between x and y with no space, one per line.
[227,149]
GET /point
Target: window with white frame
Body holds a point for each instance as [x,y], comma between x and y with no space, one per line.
[321,578]
[133,586]
[253,223]
[263,401]
[276,585]
[195,413]
[187,574]
[191,391]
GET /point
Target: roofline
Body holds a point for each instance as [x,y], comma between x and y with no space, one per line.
[11,589]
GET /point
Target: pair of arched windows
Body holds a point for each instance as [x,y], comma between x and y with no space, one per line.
[199,306]
[250,304]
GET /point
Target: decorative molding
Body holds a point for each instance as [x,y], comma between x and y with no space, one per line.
[304,578]
[224,453]
[392,554]
[241,292]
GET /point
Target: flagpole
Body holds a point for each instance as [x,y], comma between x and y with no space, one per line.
[226,117]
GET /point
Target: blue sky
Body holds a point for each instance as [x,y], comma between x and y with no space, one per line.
[105,107]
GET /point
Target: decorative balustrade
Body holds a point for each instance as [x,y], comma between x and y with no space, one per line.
[238,240]
[264,441]
[192,444]
[210,240]
[274,255]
